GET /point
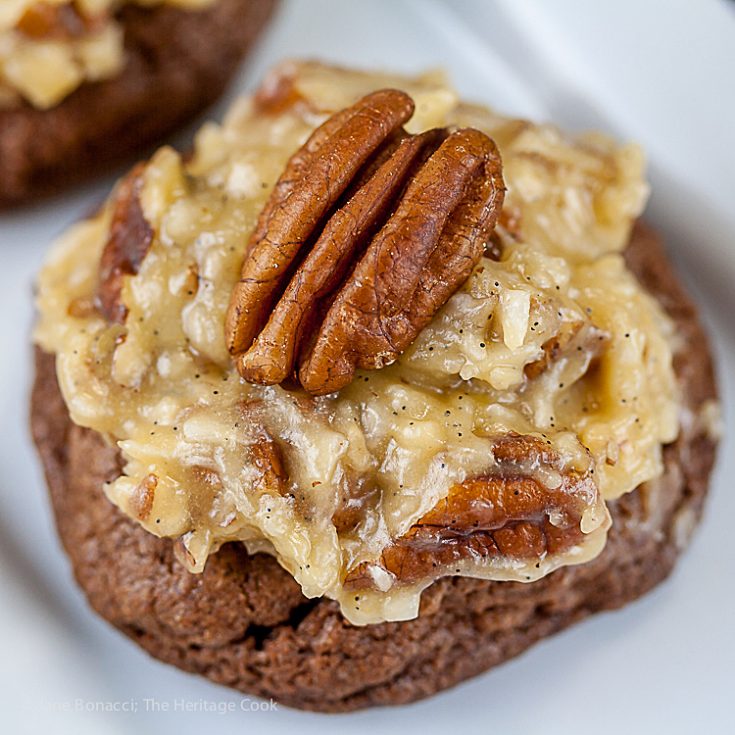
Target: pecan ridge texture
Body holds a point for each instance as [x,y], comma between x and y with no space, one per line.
[508,514]
[128,242]
[366,235]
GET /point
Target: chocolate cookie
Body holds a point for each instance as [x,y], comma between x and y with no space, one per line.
[245,624]
[177,62]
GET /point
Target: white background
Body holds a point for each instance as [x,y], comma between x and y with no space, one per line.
[658,71]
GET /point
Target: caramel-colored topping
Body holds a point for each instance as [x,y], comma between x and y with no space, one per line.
[548,372]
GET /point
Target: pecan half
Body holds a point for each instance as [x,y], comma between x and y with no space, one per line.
[367,233]
[127,244]
[272,356]
[314,179]
[509,514]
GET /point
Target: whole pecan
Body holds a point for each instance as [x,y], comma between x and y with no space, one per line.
[508,514]
[368,232]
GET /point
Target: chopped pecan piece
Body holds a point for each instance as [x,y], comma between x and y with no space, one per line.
[509,514]
[278,92]
[510,223]
[356,495]
[586,338]
[264,452]
[141,502]
[129,240]
[207,477]
[267,457]
[44,20]
[367,234]
[551,349]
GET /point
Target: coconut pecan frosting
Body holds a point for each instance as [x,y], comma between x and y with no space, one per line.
[344,333]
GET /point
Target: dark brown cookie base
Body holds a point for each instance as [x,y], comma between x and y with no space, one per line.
[245,624]
[178,63]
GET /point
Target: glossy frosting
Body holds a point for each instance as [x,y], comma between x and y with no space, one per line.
[199,444]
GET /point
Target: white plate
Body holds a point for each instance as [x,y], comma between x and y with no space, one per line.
[659,72]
